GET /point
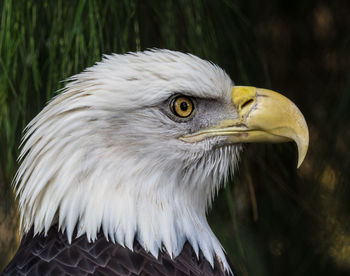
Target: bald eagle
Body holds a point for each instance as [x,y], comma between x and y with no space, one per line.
[118,171]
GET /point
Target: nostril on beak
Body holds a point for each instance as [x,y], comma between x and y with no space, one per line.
[243,98]
[246,103]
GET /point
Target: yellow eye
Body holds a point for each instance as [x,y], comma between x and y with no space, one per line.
[182,106]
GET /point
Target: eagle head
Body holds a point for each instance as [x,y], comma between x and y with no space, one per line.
[138,145]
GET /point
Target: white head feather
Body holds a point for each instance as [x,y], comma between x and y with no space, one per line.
[103,155]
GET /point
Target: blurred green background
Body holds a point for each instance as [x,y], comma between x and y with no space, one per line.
[272,219]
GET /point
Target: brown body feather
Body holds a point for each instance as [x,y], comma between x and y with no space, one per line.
[53,255]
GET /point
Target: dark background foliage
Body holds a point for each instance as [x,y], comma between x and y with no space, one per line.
[272,219]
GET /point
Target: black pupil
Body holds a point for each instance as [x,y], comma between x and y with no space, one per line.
[184,106]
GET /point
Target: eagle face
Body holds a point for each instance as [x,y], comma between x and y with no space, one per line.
[138,145]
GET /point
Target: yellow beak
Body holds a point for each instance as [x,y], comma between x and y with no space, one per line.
[263,116]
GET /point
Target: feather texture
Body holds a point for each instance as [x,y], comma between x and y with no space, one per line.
[104,157]
[53,254]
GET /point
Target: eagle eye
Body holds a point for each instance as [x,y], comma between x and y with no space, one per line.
[182,106]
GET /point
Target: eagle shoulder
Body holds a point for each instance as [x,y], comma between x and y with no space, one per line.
[54,255]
